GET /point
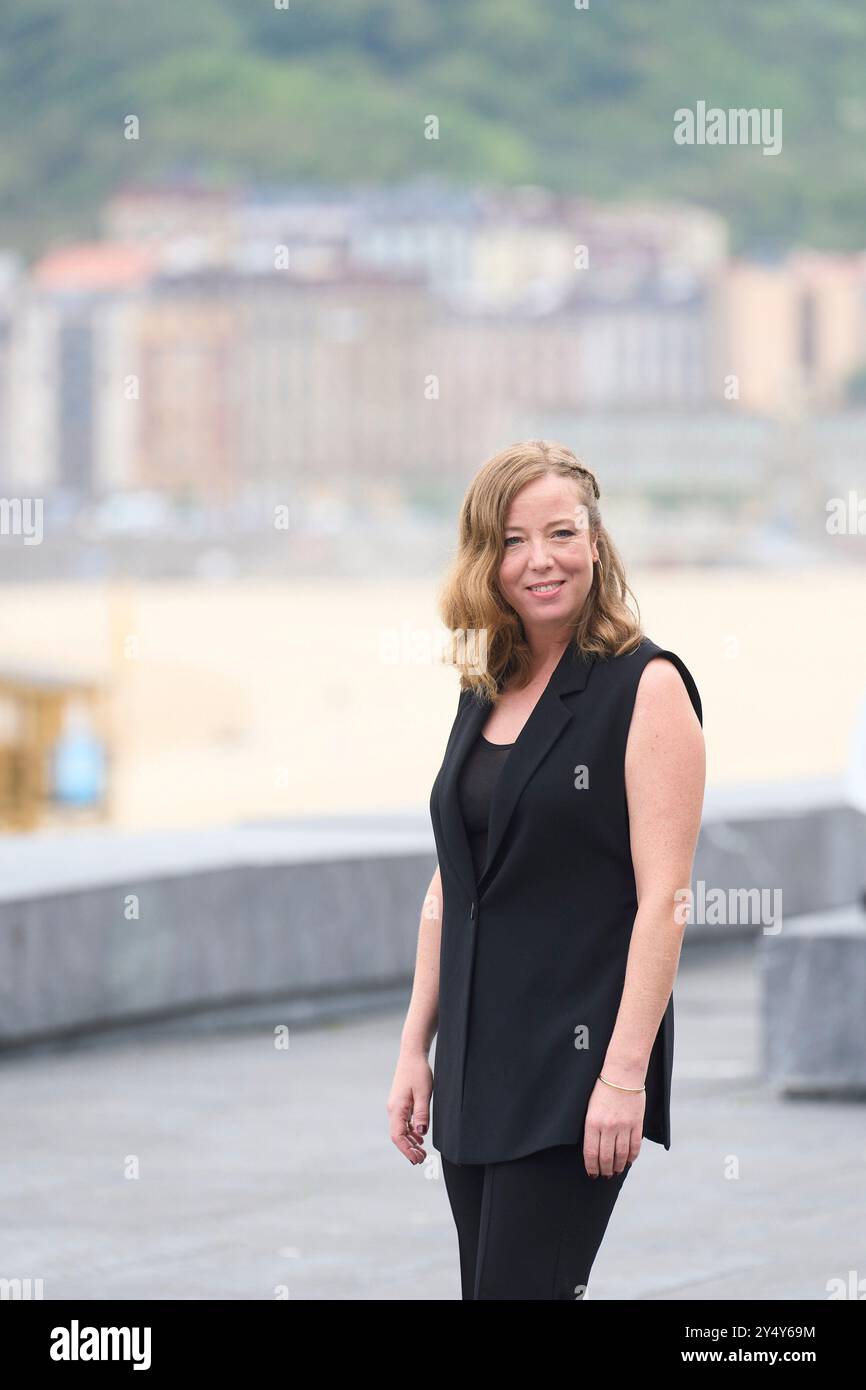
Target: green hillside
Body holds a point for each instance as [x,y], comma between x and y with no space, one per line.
[526,91]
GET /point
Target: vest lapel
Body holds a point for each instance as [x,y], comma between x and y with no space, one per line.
[544,726]
[454,834]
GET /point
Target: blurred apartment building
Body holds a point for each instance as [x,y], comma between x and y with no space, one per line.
[795,330]
[222,345]
[10,272]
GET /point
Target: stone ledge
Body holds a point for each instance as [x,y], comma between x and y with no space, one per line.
[232,916]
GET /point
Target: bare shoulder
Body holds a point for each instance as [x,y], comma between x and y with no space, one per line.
[661,687]
[663,716]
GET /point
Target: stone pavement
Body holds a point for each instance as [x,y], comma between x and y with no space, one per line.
[260,1168]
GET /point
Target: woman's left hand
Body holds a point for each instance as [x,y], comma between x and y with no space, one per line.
[613,1130]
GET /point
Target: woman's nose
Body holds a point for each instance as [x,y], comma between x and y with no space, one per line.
[539,557]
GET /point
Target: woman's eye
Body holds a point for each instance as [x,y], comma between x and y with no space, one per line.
[564,531]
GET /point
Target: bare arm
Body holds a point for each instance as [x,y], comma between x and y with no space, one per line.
[409,1099]
[422,1017]
[665,768]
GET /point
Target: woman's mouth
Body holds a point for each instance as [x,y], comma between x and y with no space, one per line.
[550,586]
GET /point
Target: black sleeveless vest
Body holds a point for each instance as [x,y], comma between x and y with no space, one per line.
[534,950]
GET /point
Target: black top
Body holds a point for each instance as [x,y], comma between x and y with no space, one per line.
[478,777]
[534,946]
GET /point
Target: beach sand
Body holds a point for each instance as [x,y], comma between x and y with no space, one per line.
[235,701]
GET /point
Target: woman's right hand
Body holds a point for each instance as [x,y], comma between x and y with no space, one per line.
[409,1105]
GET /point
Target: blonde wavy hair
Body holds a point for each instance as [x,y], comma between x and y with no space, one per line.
[471,601]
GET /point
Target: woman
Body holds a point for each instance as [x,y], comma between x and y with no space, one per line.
[566,814]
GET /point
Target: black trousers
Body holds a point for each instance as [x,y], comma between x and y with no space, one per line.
[529,1228]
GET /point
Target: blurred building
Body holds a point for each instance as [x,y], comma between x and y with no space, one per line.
[186,440]
[10,278]
[257,344]
[795,329]
[654,348]
[73,369]
[185,223]
[329,379]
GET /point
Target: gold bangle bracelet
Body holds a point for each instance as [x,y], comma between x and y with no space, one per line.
[636,1090]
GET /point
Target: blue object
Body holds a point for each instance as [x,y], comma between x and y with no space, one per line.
[79,769]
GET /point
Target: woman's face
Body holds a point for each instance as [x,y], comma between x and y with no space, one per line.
[547,541]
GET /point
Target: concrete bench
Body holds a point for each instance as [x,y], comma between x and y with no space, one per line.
[813,977]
